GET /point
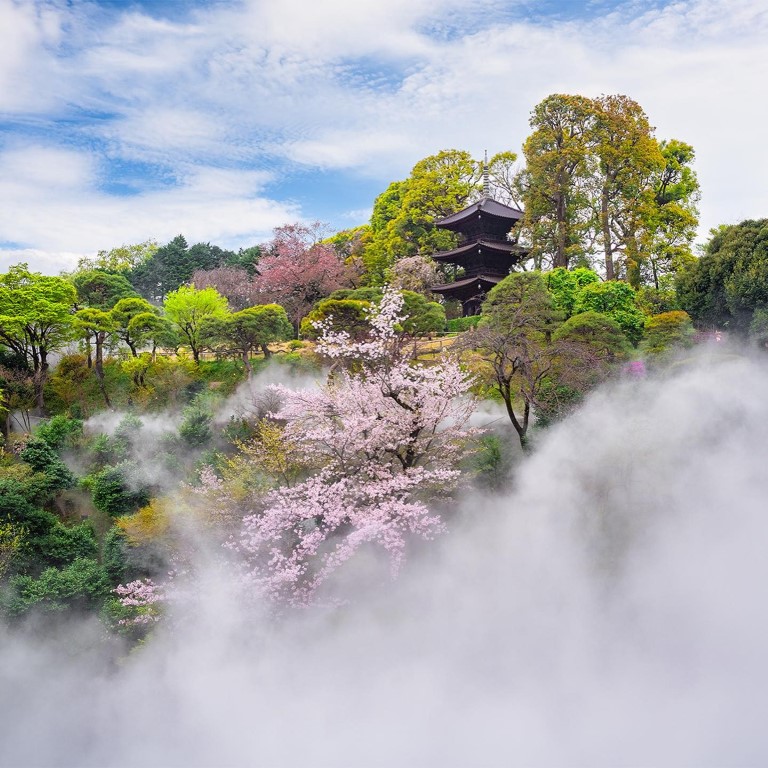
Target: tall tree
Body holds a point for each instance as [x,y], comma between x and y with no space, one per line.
[98,325]
[35,319]
[404,215]
[627,158]
[554,185]
[123,314]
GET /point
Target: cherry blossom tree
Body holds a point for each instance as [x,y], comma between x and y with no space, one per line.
[299,270]
[386,434]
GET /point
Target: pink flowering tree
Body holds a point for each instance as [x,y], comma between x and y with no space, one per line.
[299,270]
[143,600]
[386,435]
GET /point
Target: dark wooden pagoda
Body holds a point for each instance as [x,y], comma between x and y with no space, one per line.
[485,253]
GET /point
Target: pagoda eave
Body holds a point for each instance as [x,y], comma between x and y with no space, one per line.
[483,247]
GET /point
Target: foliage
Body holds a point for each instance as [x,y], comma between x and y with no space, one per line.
[42,458]
[758,328]
[667,331]
[173,264]
[118,490]
[195,429]
[101,290]
[124,258]
[35,319]
[59,431]
[299,270]
[598,181]
[244,332]
[729,282]
[236,284]
[11,538]
[82,584]
[460,324]
[189,309]
[618,301]
[564,284]
[350,315]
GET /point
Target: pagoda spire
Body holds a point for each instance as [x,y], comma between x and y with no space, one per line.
[486,178]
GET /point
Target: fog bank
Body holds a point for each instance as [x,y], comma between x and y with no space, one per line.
[608,611]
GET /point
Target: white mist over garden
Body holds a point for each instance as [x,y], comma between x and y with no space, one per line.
[609,610]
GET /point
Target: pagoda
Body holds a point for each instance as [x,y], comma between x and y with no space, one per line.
[485,251]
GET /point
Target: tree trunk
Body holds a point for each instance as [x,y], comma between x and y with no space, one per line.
[607,242]
[247,363]
[265,349]
[561,259]
[99,367]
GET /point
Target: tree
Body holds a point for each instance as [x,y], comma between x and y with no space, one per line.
[234,283]
[350,315]
[564,284]
[250,329]
[514,338]
[123,314]
[385,436]
[415,273]
[98,325]
[101,290]
[667,331]
[173,265]
[299,270]
[35,319]
[729,283]
[627,156]
[555,181]
[121,259]
[671,217]
[189,309]
[404,215]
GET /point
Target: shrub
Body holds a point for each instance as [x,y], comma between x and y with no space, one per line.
[118,490]
[82,585]
[666,331]
[461,324]
[59,431]
[42,458]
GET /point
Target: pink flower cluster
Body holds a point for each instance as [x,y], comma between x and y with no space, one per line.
[387,434]
[142,595]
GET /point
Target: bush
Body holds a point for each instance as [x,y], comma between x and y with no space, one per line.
[59,431]
[42,458]
[666,331]
[114,555]
[461,324]
[118,490]
[82,585]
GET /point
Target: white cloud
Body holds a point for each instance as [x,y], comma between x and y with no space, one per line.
[347,86]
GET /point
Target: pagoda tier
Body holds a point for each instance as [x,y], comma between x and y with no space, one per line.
[476,256]
[470,291]
[485,253]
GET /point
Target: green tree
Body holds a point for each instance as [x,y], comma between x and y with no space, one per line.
[189,309]
[124,258]
[97,325]
[555,184]
[515,339]
[671,217]
[729,283]
[123,313]
[667,331]
[404,215]
[350,315]
[627,158]
[35,319]
[101,290]
[564,284]
[250,329]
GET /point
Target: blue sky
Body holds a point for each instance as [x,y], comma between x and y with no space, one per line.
[123,121]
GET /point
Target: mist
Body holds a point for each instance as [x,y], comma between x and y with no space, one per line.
[608,610]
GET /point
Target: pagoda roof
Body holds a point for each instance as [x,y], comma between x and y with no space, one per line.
[486,205]
[498,246]
[456,287]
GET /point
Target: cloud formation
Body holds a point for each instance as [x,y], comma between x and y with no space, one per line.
[353,90]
